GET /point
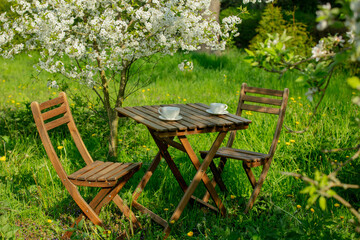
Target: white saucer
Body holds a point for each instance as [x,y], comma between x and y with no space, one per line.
[209,111]
[171,119]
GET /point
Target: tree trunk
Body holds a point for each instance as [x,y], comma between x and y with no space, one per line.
[215,9]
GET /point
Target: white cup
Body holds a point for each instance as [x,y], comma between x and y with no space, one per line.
[218,108]
[169,113]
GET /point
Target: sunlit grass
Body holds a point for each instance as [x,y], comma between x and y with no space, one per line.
[31,189]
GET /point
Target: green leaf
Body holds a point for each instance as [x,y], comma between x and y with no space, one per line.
[322,203]
[354,82]
[331,193]
[81,223]
[300,79]
[251,53]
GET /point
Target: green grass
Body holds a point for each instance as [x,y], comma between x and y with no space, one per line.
[34,203]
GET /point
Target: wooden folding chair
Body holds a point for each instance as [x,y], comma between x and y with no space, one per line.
[109,176]
[252,159]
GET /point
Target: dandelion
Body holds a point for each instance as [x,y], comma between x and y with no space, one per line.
[297,123]
[297,178]
[335,160]
[310,113]
[3,158]
[49,221]
[167,95]
[347,156]
[292,141]
[60,147]
[353,93]
[172,221]
[232,196]
[179,97]
[3,80]
[300,104]
[109,232]
[143,90]
[10,96]
[342,217]
[190,234]
[287,143]
[12,101]
[93,135]
[148,149]
[278,141]
[120,140]
[100,87]
[323,115]
[298,206]
[299,97]
[337,205]
[73,104]
[54,93]
[294,101]
[312,210]
[148,89]
[184,99]
[144,146]
[166,209]
[292,98]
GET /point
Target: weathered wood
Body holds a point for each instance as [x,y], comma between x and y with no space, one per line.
[53,113]
[261,109]
[90,174]
[264,91]
[51,103]
[270,101]
[57,122]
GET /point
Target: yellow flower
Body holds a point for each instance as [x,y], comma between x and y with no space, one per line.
[323,115]
[167,94]
[120,140]
[148,149]
[172,221]
[179,97]
[347,156]
[49,221]
[232,196]
[73,104]
[3,80]
[148,89]
[109,232]
[94,134]
[335,160]
[310,113]
[312,210]
[292,141]
[248,113]
[184,99]
[287,143]
[300,104]
[144,146]
[297,123]
[298,206]
[342,217]
[12,101]
[352,92]
[278,141]
[54,93]
[60,147]
[190,234]
[10,96]
[143,90]
[292,98]
[166,209]
[337,205]
[3,158]
[294,101]
[299,97]
[290,195]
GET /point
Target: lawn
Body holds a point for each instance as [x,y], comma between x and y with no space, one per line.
[34,204]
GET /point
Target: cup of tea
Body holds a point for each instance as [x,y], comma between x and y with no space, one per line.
[169,113]
[218,108]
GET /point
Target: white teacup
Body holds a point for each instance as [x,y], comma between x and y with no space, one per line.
[169,113]
[218,108]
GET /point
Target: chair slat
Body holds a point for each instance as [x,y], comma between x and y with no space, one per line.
[264,91]
[260,109]
[107,176]
[111,167]
[264,100]
[53,113]
[57,122]
[93,171]
[51,103]
[85,169]
[125,171]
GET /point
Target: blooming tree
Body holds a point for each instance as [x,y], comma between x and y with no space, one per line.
[96,42]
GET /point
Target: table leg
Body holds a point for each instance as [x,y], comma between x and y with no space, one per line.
[164,152]
[194,159]
[196,180]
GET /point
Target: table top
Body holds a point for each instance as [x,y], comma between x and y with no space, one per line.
[194,120]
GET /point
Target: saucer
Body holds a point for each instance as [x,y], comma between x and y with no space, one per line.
[209,111]
[170,119]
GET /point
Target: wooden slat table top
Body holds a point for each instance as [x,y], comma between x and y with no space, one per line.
[194,119]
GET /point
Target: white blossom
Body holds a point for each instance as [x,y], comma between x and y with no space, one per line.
[310,93]
[318,51]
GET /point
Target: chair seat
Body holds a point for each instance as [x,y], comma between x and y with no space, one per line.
[251,159]
[102,174]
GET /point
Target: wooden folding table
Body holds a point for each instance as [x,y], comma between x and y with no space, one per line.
[195,120]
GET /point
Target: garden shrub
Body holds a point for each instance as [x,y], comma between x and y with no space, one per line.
[272,21]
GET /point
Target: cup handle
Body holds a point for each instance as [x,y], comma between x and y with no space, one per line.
[159,110]
[226,106]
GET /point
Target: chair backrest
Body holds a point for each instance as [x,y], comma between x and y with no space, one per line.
[269,105]
[51,114]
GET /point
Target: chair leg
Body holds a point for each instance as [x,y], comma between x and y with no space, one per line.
[220,169]
[258,186]
[250,175]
